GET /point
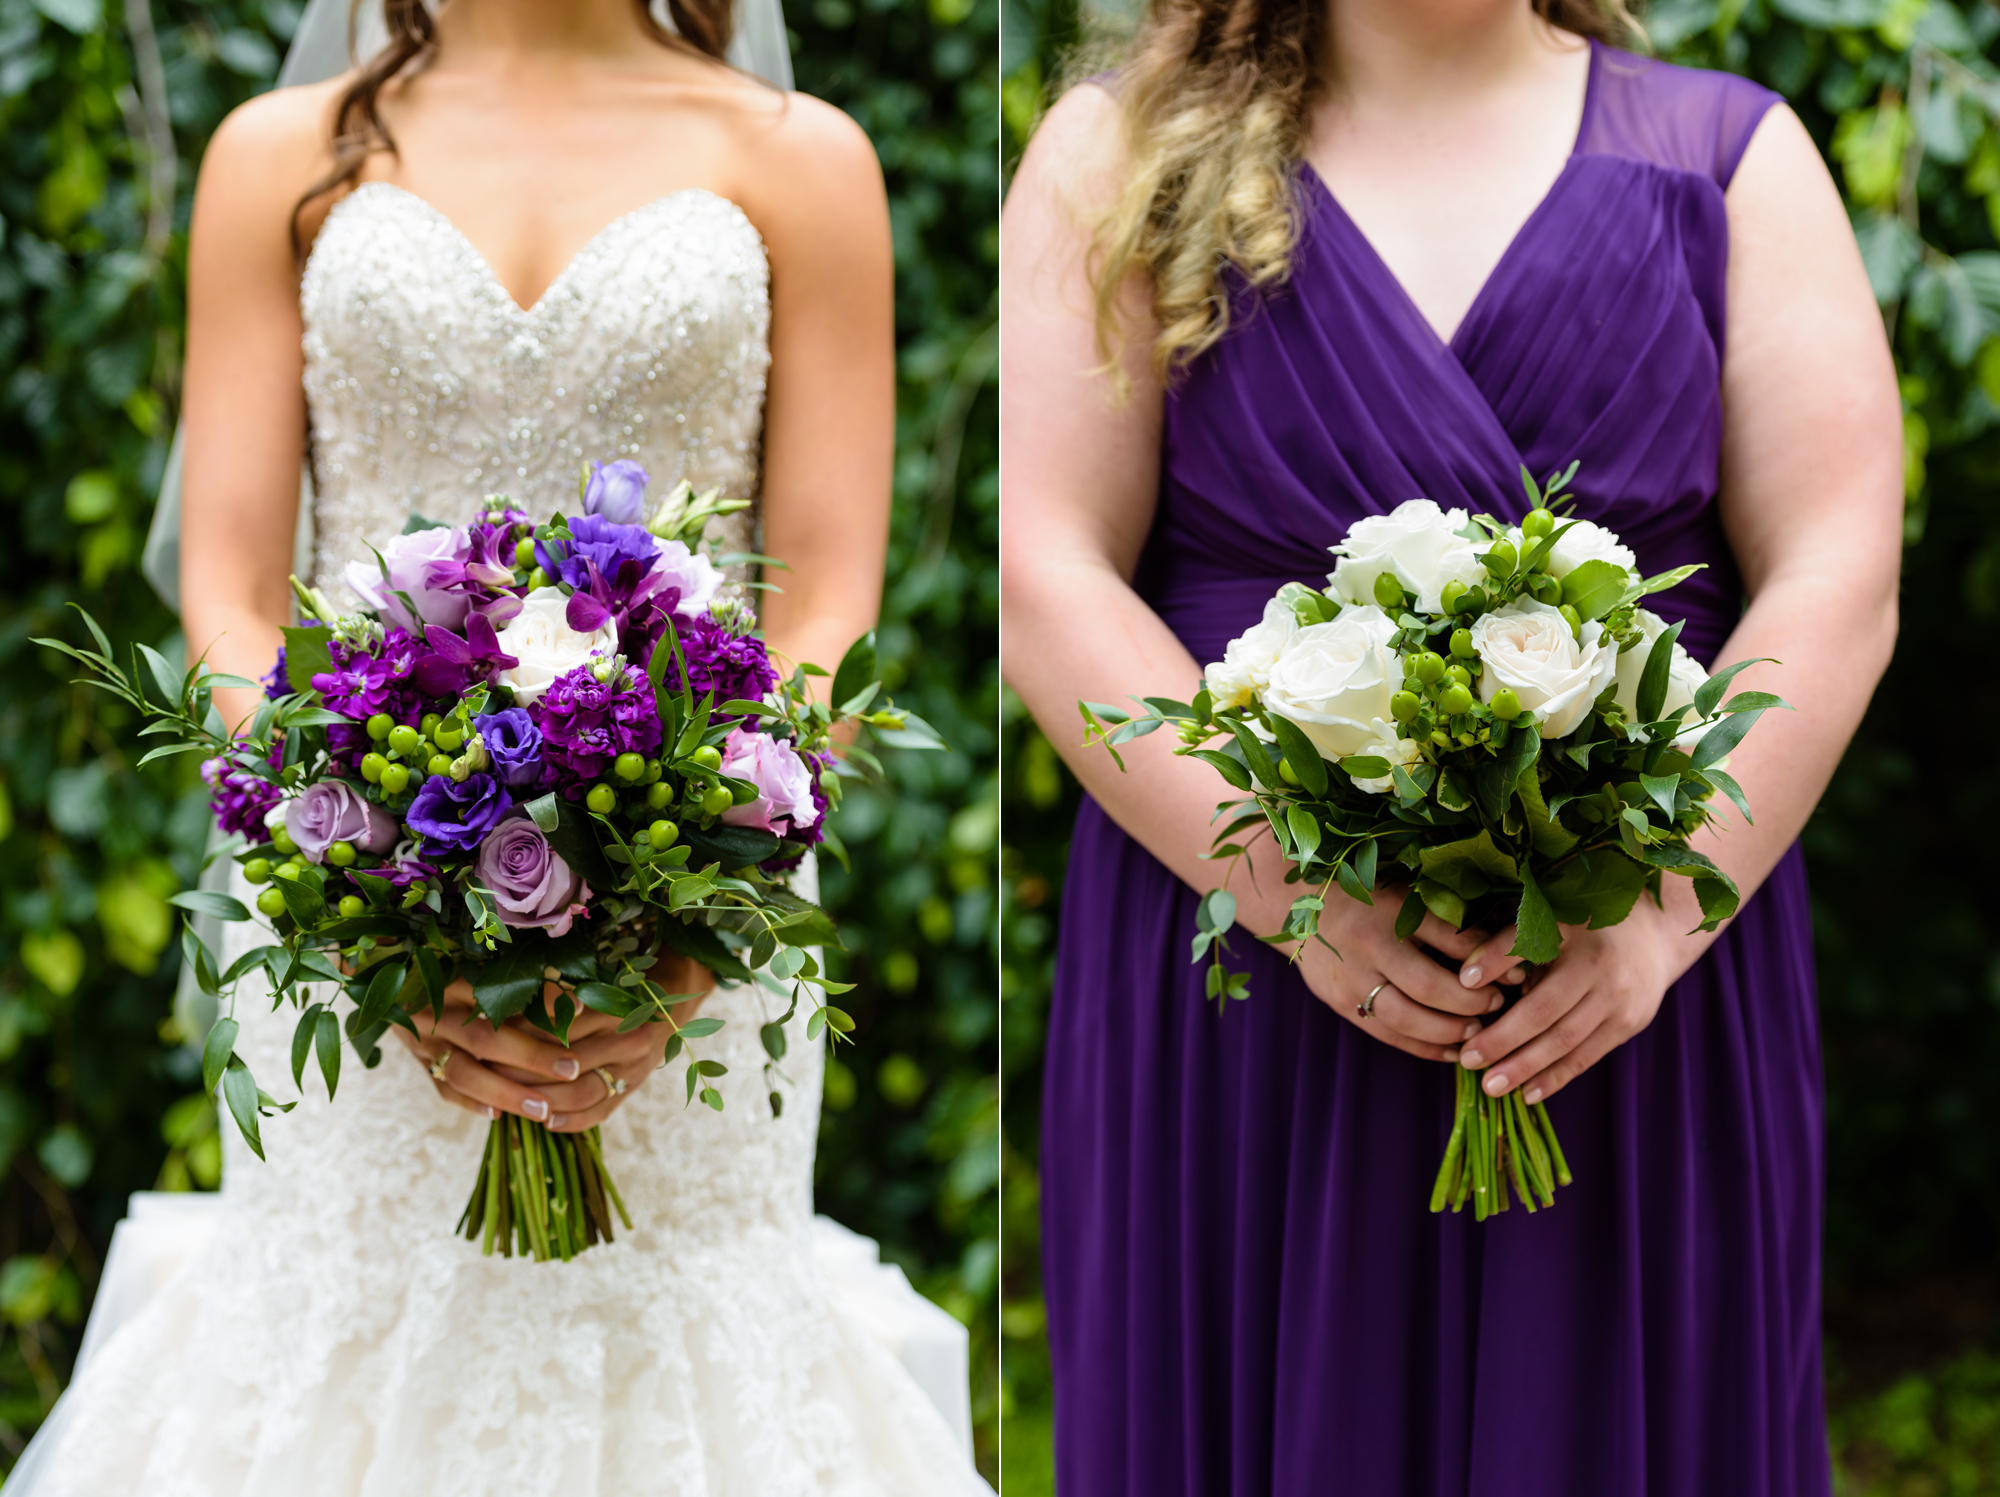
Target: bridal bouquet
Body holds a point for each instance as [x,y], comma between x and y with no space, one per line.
[1482,711]
[543,756]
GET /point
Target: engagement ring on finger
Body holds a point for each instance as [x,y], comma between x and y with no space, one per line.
[614,1086]
[1366,1007]
[438,1065]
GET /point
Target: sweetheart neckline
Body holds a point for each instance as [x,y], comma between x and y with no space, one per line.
[489,274]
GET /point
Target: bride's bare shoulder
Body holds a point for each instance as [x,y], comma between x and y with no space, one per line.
[806,168]
[283,137]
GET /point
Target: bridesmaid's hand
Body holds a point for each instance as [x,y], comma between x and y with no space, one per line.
[1604,987]
[520,1069]
[1421,1008]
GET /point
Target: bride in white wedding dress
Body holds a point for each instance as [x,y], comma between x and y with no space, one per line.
[587,243]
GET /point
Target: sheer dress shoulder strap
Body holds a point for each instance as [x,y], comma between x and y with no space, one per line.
[1684,119]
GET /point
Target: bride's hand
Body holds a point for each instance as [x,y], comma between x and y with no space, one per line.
[1604,988]
[520,1069]
[1420,1007]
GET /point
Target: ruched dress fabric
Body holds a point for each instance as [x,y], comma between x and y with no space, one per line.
[316,1329]
[1247,1292]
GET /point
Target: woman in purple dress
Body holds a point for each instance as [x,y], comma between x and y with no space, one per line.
[1297,262]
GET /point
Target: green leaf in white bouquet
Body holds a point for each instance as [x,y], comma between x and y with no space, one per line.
[1597,887]
[1411,916]
[1551,838]
[1351,882]
[1537,938]
[1256,757]
[1709,693]
[1301,753]
[1366,767]
[1652,695]
[302,1038]
[239,1089]
[307,654]
[1721,740]
[210,902]
[215,1052]
[1661,788]
[1659,583]
[1594,588]
[1471,866]
[1727,785]
[326,1042]
[1304,827]
[1440,901]
[857,670]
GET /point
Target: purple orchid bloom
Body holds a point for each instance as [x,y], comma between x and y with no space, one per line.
[455,659]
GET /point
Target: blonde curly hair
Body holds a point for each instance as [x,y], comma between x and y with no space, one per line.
[1217,96]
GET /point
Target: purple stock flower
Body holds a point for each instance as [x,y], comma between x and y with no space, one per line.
[514,744]
[529,881]
[364,682]
[240,798]
[735,667]
[455,816]
[617,491]
[586,723]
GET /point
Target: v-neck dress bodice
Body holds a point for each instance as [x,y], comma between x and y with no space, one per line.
[1247,1292]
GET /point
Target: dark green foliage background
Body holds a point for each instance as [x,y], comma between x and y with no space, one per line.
[1904,96]
[91,1063]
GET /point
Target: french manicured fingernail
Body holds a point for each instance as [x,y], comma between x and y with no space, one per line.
[1472,1060]
[1496,1083]
[1470,1030]
[488,1113]
[1470,977]
[1533,1095]
[558,1122]
[567,1069]
[536,1108]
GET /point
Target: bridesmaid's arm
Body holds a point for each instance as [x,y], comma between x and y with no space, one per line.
[1812,499]
[1080,472]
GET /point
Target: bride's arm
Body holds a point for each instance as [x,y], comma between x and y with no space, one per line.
[243,415]
[1080,473]
[1812,500]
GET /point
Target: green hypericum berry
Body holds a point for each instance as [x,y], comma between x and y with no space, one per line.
[1389,592]
[450,735]
[340,854]
[538,578]
[258,870]
[1405,705]
[629,767]
[1537,523]
[271,902]
[1573,619]
[379,726]
[1286,773]
[1505,704]
[1458,673]
[282,840]
[654,769]
[524,553]
[659,794]
[1428,667]
[602,799]
[708,756]
[439,764]
[717,801]
[404,739]
[1545,588]
[1453,591]
[663,834]
[372,766]
[1454,700]
[288,869]
[1502,558]
[1461,644]
[428,724]
[396,779]
[352,905]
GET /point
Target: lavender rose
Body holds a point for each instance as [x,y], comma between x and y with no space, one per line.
[616,491]
[455,816]
[513,743]
[410,559]
[530,882]
[334,811]
[784,783]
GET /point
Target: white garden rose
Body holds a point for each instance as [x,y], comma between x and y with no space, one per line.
[1527,646]
[540,636]
[1684,676]
[1587,542]
[1335,680]
[1416,541]
[1245,667]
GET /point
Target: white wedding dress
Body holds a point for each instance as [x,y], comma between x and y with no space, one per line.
[315,1329]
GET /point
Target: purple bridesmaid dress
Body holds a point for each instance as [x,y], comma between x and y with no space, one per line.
[1247,1292]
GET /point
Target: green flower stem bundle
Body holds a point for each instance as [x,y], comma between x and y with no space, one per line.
[1486,713]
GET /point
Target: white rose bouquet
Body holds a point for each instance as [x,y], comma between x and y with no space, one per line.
[1488,708]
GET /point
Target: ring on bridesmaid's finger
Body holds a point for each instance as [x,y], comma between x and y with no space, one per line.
[438,1066]
[1366,1007]
[614,1086]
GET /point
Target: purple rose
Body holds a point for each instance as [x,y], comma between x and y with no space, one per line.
[410,560]
[530,883]
[784,783]
[455,816]
[334,811]
[587,723]
[514,744]
[616,491]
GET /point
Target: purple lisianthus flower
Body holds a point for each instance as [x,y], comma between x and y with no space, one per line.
[617,491]
[239,798]
[334,811]
[410,560]
[620,554]
[529,881]
[783,779]
[586,723]
[513,743]
[455,816]
[402,869]
[735,667]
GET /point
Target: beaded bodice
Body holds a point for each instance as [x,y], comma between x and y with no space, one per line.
[430,388]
